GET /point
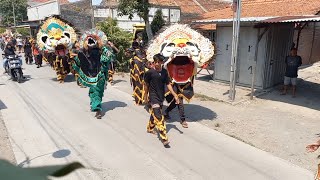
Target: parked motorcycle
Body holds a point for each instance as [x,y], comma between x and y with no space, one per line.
[13,67]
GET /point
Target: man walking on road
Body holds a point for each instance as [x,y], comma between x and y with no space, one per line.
[28,51]
[293,62]
[155,81]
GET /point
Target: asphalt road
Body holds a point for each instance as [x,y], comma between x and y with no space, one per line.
[51,123]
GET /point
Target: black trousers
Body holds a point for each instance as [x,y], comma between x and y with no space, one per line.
[39,59]
[28,57]
[180,108]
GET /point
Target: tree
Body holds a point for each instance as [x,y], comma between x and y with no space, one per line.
[2,30]
[140,7]
[23,31]
[120,38]
[6,11]
[158,22]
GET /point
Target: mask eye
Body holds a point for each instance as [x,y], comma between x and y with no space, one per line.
[67,34]
[44,39]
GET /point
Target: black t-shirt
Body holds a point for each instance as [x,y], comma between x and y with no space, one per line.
[9,51]
[27,47]
[156,82]
[292,65]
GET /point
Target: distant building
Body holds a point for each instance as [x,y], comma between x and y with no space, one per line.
[77,13]
[171,14]
[279,30]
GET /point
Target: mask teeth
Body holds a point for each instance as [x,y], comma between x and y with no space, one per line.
[175,55]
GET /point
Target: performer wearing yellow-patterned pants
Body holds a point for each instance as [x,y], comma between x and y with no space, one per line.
[137,71]
[62,68]
[155,81]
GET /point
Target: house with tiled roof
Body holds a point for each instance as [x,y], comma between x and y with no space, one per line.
[35,2]
[269,29]
[108,8]
[190,9]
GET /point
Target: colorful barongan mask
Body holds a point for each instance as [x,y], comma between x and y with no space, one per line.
[56,35]
[184,48]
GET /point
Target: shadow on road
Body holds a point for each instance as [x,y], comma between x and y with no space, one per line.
[69,78]
[172,126]
[2,105]
[26,78]
[307,95]
[118,81]
[57,154]
[61,153]
[111,105]
[193,113]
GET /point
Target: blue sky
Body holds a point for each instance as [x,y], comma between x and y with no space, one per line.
[95,2]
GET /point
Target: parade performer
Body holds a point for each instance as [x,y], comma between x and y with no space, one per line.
[57,36]
[137,71]
[156,79]
[111,67]
[185,49]
[91,64]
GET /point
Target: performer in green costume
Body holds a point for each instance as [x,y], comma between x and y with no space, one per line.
[91,64]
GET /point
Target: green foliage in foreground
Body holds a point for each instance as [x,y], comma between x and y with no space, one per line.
[9,171]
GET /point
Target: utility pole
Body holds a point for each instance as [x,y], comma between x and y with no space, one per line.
[14,15]
[236,6]
[92,14]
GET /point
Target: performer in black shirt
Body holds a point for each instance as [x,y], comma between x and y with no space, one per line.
[155,81]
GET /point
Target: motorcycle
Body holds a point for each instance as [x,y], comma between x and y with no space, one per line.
[13,67]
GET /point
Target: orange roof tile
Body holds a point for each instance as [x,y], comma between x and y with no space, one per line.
[163,2]
[204,27]
[192,9]
[268,8]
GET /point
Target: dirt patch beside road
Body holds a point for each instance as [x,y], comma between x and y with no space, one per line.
[281,125]
[5,146]
[281,129]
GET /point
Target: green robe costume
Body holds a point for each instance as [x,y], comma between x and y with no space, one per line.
[92,72]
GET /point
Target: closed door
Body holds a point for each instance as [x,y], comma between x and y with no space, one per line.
[224,49]
[246,52]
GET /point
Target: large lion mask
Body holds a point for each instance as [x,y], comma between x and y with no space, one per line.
[56,35]
[184,48]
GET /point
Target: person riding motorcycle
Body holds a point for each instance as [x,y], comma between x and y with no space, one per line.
[9,50]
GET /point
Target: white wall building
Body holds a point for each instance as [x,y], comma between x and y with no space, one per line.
[171,14]
[43,10]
